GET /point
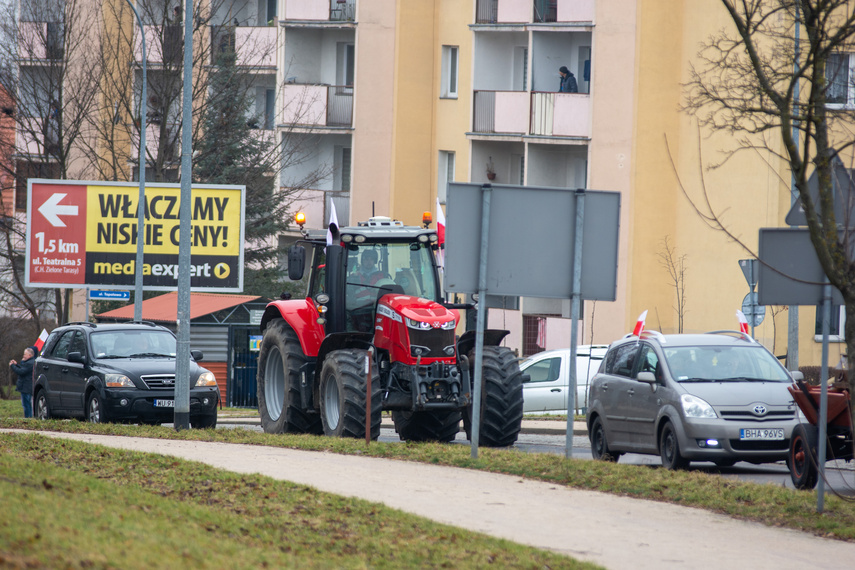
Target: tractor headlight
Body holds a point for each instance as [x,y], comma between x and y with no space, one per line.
[418,325]
[448,326]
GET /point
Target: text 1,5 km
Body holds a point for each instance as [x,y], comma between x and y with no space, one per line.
[54,245]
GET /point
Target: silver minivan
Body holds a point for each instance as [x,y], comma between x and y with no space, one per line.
[719,397]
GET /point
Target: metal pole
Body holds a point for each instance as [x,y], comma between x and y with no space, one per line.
[793,312]
[486,195]
[182,356]
[574,319]
[823,397]
[753,295]
[368,355]
[138,266]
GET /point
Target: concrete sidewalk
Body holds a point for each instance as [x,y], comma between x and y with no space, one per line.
[616,532]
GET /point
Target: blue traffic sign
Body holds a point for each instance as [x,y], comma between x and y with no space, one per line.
[111,295]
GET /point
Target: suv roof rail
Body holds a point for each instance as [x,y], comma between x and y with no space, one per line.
[84,323]
[738,334]
[149,323]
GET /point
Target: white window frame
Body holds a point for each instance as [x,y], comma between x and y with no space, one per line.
[838,335]
[446,170]
[450,72]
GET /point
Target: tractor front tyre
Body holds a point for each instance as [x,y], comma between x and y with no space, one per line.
[280,359]
[343,394]
[802,457]
[501,398]
[440,425]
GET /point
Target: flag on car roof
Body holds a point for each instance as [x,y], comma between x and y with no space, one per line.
[743,322]
[639,325]
[41,340]
[333,220]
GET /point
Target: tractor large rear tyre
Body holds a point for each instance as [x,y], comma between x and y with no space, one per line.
[280,358]
[802,457]
[501,398]
[440,425]
[343,393]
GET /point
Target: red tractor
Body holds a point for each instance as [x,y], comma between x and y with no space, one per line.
[375,294]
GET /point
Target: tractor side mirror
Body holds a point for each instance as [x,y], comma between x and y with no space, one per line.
[296,262]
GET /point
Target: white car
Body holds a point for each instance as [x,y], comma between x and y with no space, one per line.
[548,372]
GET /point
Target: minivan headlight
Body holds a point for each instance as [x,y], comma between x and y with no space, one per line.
[118,381]
[206,379]
[694,407]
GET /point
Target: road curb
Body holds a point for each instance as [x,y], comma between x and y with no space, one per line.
[529,427]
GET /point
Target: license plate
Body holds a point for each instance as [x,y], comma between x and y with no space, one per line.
[168,404]
[755,434]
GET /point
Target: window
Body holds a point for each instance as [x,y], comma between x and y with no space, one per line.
[445,174]
[344,64]
[269,107]
[534,334]
[838,73]
[546,370]
[342,168]
[621,360]
[449,72]
[835,328]
[649,362]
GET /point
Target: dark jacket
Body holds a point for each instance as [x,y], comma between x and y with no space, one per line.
[568,84]
[24,370]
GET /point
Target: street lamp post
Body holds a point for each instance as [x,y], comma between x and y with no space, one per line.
[138,274]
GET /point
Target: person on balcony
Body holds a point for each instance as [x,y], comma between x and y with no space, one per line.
[568,81]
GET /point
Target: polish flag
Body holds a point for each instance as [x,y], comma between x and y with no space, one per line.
[440,233]
[541,333]
[743,322]
[333,220]
[639,325]
[41,340]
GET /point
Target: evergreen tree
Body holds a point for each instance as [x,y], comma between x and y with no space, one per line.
[232,152]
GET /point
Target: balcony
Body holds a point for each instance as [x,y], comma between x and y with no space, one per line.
[561,114]
[30,143]
[256,45]
[538,114]
[321,10]
[163,44]
[318,105]
[41,41]
[501,112]
[533,11]
[152,140]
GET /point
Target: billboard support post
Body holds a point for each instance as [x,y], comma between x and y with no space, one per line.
[574,319]
[486,195]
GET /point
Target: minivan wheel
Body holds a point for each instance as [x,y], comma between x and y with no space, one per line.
[599,445]
[669,449]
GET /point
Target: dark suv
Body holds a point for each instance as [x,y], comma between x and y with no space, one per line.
[118,372]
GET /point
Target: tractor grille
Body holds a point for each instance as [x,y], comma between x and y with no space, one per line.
[433,342]
[160,381]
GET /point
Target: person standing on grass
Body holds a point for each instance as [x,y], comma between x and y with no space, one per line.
[24,371]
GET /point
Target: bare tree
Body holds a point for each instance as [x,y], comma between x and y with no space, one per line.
[50,75]
[675,265]
[778,80]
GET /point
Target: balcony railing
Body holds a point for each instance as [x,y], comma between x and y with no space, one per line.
[561,114]
[163,44]
[543,114]
[528,11]
[318,105]
[152,141]
[41,40]
[501,112]
[321,10]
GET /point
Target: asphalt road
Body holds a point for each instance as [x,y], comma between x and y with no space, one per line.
[549,437]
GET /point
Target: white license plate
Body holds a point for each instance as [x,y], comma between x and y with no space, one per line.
[755,434]
[164,403]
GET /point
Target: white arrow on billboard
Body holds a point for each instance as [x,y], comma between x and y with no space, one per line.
[52,210]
